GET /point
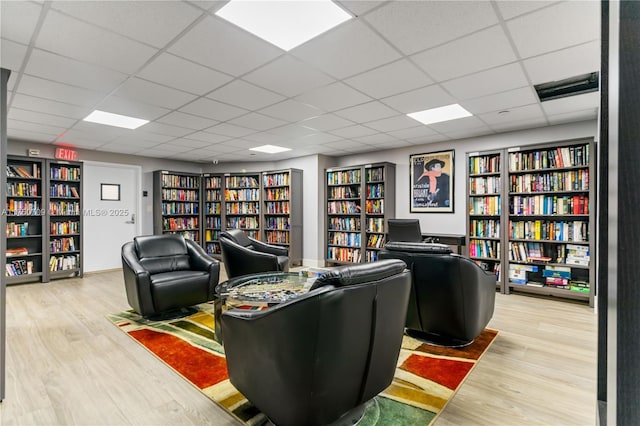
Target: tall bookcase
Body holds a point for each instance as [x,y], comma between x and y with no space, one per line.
[359,200]
[26,221]
[64,182]
[242,203]
[282,211]
[176,199]
[484,218]
[546,219]
[212,212]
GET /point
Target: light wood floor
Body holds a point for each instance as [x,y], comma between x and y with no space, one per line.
[66,364]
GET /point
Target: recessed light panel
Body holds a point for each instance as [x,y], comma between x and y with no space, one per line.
[117,120]
[437,115]
[286,24]
[270,149]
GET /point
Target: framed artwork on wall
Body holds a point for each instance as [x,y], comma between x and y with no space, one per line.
[432,182]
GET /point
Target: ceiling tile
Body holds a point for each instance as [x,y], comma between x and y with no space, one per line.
[391,144]
[570,117]
[367,112]
[470,133]
[378,138]
[326,122]
[566,63]
[47,106]
[230,130]
[318,138]
[546,30]
[131,108]
[96,132]
[17,134]
[572,103]
[515,114]
[359,7]
[393,123]
[519,125]
[191,143]
[152,22]
[349,49]
[265,138]
[35,86]
[12,55]
[237,145]
[501,101]
[291,110]
[459,124]
[353,131]
[351,146]
[510,9]
[35,127]
[64,70]
[420,99]
[38,117]
[80,141]
[207,137]
[427,139]
[152,93]
[88,43]
[485,49]
[390,79]
[119,148]
[18,20]
[187,120]
[289,76]
[291,131]
[239,53]
[413,132]
[171,147]
[141,136]
[487,82]
[257,121]
[165,129]
[213,109]
[245,95]
[333,97]
[171,70]
[416,25]
[136,142]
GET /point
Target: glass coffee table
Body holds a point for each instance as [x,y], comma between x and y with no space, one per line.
[259,291]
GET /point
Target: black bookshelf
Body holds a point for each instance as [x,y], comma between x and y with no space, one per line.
[176,204]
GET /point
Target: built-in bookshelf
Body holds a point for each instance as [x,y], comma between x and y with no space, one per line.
[177,204]
[484,217]
[212,213]
[64,248]
[359,200]
[242,203]
[26,220]
[282,211]
[541,231]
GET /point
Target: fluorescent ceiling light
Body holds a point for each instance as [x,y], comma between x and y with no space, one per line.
[116,120]
[436,115]
[271,149]
[286,24]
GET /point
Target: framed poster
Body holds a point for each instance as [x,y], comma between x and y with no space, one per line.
[110,191]
[432,182]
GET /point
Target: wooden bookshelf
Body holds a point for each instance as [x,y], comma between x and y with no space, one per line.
[282,211]
[64,224]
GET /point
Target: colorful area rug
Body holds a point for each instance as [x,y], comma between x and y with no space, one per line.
[426,378]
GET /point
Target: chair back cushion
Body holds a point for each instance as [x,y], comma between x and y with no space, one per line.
[237,236]
[360,273]
[162,253]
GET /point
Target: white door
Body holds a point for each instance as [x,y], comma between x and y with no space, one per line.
[111,212]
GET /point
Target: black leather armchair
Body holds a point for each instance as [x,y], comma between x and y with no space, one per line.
[164,273]
[322,356]
[243,255]
[452,298]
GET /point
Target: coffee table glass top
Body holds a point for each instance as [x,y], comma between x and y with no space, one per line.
[269,288]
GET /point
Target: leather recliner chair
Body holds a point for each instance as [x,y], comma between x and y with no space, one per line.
[452,298]
[321,356]
[165,273]
[243,255]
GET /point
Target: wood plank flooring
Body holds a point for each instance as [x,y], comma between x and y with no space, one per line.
[67,365]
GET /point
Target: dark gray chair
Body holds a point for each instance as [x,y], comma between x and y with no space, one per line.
[404,230]
[243,255]
[320,357]
[452,298]
[165,273]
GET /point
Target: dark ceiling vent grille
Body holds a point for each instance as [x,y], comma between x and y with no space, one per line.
[572,86]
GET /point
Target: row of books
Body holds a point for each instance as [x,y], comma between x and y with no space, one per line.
[212,182]
[371,256]
[277,194]
[344,224]
[179,195]
[242,195]
[572,230]
[487,228]
[211,195]
[375,206]
[22,189]
[15,229]
[213,248]
[343,254]
[376,240]
[277,207]
[23,207]
[484,248]
[211,235]
[248,222]
[484,185]
[62,244]
[179,208]
[352,239]
[64,190]
[375,191]
[375,224]
[17,251]
[485,206]
[549,205]
[178,223]
[65,228]
[484,164]
[19,267]
[277,237]
[180,181]
[65,173]
[342,192]
[376,174]
[242,182]
[242,208]
[63,263]
[570,254]
[278,179]
[23,171]
[277,223]
[344,177]
[343,207]
[69,208]
[212,208]
[549,158]
[213,222]
[574,180]
[188,234]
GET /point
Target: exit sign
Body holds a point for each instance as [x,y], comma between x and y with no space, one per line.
[66,154]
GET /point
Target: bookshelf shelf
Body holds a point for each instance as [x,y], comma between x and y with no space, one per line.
[359,201]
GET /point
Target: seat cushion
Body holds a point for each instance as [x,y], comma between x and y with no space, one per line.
[171,290]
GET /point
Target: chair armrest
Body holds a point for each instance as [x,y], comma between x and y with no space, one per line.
[137,281]
[268,248]
[239,260]
[201,261]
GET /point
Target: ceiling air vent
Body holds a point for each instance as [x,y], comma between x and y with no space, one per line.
[572,86]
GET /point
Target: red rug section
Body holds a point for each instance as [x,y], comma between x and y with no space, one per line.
[446,372]
[201,368]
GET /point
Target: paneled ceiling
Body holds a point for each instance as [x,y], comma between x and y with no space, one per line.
[213,90]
